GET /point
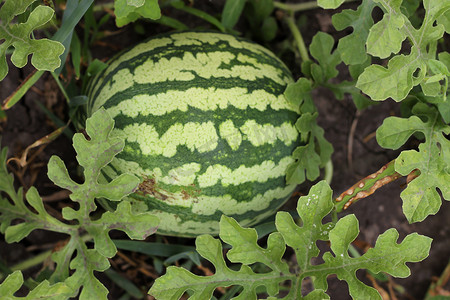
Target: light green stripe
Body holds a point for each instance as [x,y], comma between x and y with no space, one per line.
[195,136]
[205,65]
[206,206]
[133,52]
[201,137]
[209,205]
[258,134]
[121,81]
[260,173]
[199,38]
[200,98]
[231,134]
[187,174]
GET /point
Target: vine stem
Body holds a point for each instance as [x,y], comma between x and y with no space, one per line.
[300,6]
[328,172]
[298,38]
[437,286]
[368,185]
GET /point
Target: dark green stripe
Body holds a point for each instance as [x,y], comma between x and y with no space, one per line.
[247,155]
[217,117]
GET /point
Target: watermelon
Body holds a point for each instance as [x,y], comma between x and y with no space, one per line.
[206,128]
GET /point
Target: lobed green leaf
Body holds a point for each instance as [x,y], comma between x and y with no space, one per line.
[321,49]
[386,36]
[403,72]
[420,198]
[45,53]
[177,281]
[93,153]
[311,209]
[128,11]
[352,47]
[317,151]
[387,255]
[44,290]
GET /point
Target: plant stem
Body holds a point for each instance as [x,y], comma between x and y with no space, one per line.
[61,87]
[31,262]
[441,282]
[22,89]
[296,7]
[299,6]
[334,216]
[368,185]
[354,253]
[298,38]
[328,172]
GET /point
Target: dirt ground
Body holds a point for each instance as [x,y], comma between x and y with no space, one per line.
[343,126]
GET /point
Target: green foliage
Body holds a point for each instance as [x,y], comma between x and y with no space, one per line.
[127,11]
[231,12]
[44,290]
[45,53]
[330,4]
[387,256]
[352,46]
[92,155]
[386,37]
[317,150]
[260,20]
[420,198]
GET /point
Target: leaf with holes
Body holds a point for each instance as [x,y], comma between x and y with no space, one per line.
[420,198]
[403,72]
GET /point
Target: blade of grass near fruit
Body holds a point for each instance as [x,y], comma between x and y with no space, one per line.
[198,13]
[124,283]
[231,12]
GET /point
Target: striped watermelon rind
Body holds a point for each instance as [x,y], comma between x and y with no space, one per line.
[206,127]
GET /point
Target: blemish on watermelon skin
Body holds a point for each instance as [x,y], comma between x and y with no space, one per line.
[149,187]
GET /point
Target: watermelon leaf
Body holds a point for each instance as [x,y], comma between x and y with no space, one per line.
[420,198]
[317,150]
[311,209]
[178,280]
[352,46]
[387,256]
[403,72]
[128,11]
[321,49]
[44,290]
[93,154]
[330,4]
[45,53]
